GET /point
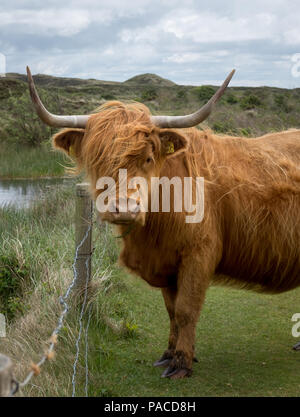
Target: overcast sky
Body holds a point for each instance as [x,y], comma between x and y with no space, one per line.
[186,41]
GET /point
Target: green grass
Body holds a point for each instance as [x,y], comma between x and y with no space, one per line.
[18,161]
[243,345]
[243,339]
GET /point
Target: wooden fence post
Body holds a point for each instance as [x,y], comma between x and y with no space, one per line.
[5,376]
[83,220]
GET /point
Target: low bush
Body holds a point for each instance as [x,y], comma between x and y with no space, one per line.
[12,277]
[231,99]
[149,94]
[205,92]
[250,102]
[281,103]
[26,127]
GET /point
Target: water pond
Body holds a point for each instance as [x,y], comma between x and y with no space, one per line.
[20,193]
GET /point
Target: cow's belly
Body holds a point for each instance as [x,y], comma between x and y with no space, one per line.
[272,274]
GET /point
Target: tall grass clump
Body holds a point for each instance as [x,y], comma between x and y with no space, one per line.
[14,273]
[19,161]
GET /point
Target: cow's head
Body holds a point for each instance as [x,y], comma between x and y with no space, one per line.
[122,137]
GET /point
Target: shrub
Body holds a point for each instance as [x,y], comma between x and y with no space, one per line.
[12,276]
[245,131]
[222,127]
[26,127]
[10,87]
[181,94]
[149,94]
[281,103]
[250,102]
[231,99]
[108,96]
[204,92]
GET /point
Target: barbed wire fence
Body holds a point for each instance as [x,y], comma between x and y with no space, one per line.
[9,386]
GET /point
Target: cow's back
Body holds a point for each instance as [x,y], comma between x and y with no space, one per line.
[259,204]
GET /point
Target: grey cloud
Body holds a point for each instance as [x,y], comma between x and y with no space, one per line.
[188,42]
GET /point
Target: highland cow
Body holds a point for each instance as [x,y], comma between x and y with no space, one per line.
[250,232]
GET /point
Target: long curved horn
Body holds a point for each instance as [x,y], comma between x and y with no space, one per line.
[49,118]
[193,119]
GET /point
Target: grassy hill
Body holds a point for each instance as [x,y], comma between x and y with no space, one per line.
[242,111]
[149,79]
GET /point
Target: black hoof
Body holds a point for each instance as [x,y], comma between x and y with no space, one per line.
[176,373]
[297,346]
[162,363]
[165,359]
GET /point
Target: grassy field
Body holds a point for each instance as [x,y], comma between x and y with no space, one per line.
[243,346]
[30,162]
[243,339]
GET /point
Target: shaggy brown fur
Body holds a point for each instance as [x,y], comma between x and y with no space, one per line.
[250,234]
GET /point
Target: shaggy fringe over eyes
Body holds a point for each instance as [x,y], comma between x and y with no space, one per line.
[119,132]
[115,137]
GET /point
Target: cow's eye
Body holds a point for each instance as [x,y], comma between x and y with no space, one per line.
[148,160]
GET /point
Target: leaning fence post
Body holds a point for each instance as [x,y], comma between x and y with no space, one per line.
[5,376]
[83,227]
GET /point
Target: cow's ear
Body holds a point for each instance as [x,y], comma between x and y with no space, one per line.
[172,142]
[69,141]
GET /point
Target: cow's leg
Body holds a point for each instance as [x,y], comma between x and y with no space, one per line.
[169,294]
[192,284]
